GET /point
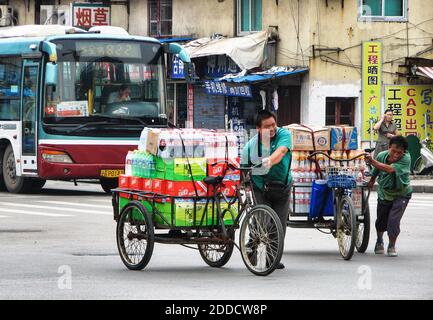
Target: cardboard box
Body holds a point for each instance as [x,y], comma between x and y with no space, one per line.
[344,138]
[302,138]
[186,188]
[228,218]
[136,183]
[152,142]
[159,186]
[124,181]
[181,213]
[228,188]
[178,170]
[218,169]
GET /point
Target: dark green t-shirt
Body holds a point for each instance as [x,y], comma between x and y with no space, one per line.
[396,184]
[278,172]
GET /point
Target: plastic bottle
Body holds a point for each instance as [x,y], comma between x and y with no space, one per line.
[344,158]
[331,161]
[295,176]
[134,164]
[295,160]
[128,163]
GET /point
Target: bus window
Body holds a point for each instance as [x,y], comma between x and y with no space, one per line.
[111,79]
[10,78]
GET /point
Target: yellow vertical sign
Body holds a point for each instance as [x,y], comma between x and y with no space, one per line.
[411,106]
[371,87]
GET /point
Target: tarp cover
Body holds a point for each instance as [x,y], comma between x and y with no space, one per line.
[247,52]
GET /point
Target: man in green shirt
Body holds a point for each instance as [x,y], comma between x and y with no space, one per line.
[394,191]
[271,148]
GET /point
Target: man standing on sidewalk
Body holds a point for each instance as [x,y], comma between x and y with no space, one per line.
[394,191]
[271,147]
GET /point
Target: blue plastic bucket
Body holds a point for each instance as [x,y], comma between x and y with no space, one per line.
[321,203]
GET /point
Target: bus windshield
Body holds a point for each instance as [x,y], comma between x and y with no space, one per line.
[106,87]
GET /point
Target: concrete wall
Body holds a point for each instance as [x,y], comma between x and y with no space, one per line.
[203,18]
[138,18]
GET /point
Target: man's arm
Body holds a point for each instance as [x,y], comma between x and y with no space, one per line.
[379,123]
[278,155]
[379,165]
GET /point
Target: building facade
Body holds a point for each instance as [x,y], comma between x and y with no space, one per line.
[325,36]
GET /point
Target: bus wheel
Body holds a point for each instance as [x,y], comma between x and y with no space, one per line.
[108,184]
[13,183]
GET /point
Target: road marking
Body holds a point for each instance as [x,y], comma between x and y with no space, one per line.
[108,200]
[54,208]
[34,213]
[4,216]
[76,204]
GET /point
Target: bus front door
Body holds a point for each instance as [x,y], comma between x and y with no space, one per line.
[29,103]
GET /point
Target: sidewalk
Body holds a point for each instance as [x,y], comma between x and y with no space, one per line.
[420,184]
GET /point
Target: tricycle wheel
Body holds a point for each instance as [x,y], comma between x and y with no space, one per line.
[346,227]
[261,240]
[135,236]
[217,255]
[363,232]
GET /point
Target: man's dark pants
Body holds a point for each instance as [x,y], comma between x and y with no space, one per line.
[279,201]
[389,214]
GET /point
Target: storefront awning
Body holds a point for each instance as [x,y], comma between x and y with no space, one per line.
[273,73]
[426,71]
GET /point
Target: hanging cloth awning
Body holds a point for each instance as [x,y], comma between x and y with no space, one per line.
[273,73]
[247,52]
[426,71]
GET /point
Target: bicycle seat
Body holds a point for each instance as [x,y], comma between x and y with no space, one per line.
[213,181]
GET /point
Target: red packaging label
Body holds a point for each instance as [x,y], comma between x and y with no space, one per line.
[159,186]
[218,169]
[186,189]
[136,183]
[124,181]
[228,188]
[147,185]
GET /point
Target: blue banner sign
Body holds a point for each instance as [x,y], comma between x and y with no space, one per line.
[219,66]
[177,68]
[228,89]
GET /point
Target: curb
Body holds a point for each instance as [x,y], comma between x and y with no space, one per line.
[416,189]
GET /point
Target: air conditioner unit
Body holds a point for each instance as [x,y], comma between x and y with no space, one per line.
[6,16]
[55,15]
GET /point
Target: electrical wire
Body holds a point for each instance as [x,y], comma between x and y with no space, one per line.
[296,28]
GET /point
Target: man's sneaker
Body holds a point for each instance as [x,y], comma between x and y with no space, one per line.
[392,252]
[378,248]
[280,266]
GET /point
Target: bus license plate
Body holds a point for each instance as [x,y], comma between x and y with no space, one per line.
[111,173]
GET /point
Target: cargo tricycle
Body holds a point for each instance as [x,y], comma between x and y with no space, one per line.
[208,224]
[339,207]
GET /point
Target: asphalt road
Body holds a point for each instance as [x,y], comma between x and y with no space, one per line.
[61,244]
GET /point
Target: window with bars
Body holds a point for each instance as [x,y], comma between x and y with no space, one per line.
[383,10]
[249,16]
[160,18]
[340,111]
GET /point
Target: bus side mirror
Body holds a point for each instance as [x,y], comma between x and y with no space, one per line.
[51,74]
[175,48]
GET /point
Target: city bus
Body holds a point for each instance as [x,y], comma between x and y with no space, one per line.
[73,102]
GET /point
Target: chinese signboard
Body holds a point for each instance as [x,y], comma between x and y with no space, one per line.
[371,86]
[412,108]
[177,68]
[219,66]
[190,107]
[87,15]
[228,89]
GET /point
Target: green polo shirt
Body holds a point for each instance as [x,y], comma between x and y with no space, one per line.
[394,185]
[278,172]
